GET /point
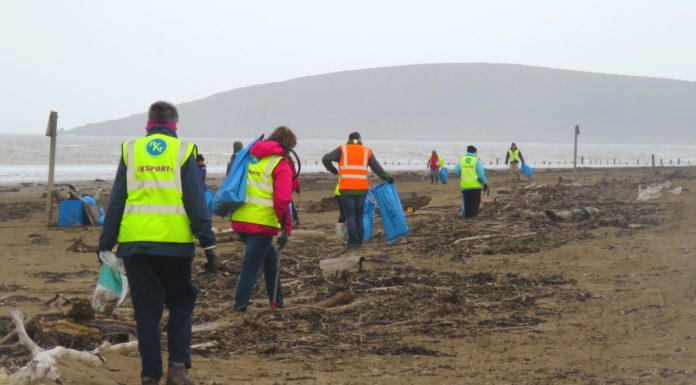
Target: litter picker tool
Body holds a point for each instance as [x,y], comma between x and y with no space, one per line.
[274,302]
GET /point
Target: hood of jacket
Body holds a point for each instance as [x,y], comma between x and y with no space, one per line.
[264,148]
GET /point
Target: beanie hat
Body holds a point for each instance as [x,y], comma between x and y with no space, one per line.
[237,146]
[354,136]
[471,149]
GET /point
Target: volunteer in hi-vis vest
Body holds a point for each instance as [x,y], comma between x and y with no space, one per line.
[514,157]
[353,160]
[472,180]
[265,214]
[435,163]
[156,210]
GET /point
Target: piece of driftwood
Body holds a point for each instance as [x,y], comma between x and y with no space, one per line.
[532,215]
[578,214]
[489,236]
[308,234]
[79,246]
[342,263]
[342,298]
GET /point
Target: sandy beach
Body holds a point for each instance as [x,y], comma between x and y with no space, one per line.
[512,297]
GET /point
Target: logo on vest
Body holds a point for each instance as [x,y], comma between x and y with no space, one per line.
[156,147]
[468,160]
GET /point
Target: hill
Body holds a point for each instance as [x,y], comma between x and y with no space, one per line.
[477,102]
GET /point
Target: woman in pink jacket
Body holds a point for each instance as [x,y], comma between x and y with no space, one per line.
[258,221]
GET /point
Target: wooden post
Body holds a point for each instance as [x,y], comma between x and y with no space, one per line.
[575,148]
[582,161]
[51,132]
[653,160]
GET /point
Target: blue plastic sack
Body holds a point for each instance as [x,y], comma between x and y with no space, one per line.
[209,197]
[368,216]
[526,170]
[231,195]
[391,212]
[444,175]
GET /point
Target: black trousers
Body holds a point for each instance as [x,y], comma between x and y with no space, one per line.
[156,282]
[471,201]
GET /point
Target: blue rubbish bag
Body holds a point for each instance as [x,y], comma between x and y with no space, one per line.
[444,175]
[209,196]
[391,212]
[526,170]
[369,216]
[231,195]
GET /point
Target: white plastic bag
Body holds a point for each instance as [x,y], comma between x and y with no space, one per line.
[112,285]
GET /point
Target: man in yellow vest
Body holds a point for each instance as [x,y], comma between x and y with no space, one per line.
[156,211]
[353,160]
[472,180]
[514,157]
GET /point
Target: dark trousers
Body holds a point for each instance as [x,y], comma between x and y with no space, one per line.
[471,201]
[156,282]
[341,212]
[353,207]
[259,253]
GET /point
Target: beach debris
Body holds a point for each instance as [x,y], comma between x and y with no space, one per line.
[676,191]
[573,215]
[489,236]
[652,191]
[79,246]
[342,263]
[532,215]
[43,364]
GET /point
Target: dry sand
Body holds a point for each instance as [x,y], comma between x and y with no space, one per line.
[602,301]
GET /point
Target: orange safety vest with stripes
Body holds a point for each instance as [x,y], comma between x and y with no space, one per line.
[352,168]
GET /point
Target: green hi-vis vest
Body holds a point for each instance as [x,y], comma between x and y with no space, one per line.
[469,177]
[514,156]
[154,209]
[258,204]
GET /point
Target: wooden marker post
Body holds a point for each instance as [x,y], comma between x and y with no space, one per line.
[575,149]
[51,131]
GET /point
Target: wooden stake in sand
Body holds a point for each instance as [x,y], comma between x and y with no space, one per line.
[575,148]
[51,132]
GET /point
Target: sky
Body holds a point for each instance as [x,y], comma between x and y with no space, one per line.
[95,60]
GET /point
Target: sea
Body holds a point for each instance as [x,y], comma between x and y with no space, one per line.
[24,158]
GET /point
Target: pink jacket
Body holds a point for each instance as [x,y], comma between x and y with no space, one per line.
[282,192]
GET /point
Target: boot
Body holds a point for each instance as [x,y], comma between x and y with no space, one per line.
[149,381]
[178,375]
[341,230]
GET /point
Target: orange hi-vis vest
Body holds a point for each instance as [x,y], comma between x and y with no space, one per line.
[352,168]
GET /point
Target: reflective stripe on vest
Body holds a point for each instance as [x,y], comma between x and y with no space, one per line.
[469,176]
[352,167]
[154,210]
[514,156]
[258,203]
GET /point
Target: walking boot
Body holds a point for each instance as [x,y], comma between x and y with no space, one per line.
[149,381]
[178,375]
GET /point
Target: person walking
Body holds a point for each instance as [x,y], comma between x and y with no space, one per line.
[155,212]
[265,214]
[435,163]
[514,157]
[203,169]
[236,146]
[353,159]
[472,180]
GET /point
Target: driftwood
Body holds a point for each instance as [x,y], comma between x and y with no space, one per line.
[532,215]
[343,263]
[44,362]
[79,246]
[342,298]
[579,214]
[489,236]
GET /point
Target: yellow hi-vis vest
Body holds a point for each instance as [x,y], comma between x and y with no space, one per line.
[514,156]
[154,209]
[258,204]
[469,177]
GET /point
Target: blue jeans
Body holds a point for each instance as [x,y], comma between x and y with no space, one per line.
[154,282]
[259,252]
[353,207]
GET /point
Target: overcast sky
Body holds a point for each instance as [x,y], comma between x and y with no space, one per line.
[93,60]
